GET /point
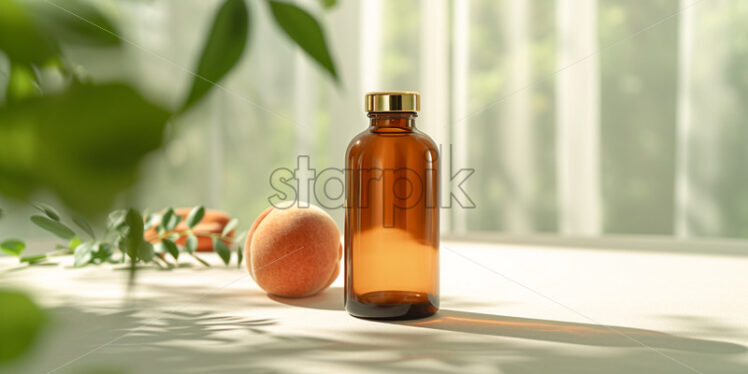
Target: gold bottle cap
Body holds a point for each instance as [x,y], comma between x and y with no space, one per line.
[393,101]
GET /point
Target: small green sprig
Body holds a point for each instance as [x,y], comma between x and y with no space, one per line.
[166,226]
[124,237]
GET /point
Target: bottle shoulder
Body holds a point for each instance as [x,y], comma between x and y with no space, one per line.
[357,143]
[427,140]
[370,143]
[367,137]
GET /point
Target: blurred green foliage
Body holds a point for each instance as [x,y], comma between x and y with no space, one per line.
[20,322]
[83,143]
[76,21]
[13,247]
[21,38]
[222,50]
[84,140]
[303,29]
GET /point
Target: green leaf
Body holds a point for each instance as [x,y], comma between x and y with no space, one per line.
[166,216]
[230,226]
[148,221]
[222,50]
[47,210]
[22,83]
[196,215]
[1,213]
[200,260]
[84,144]
[328,4]
[145,251]
[134,237]
[33,259]
[169,246]
[191,243]
[103,251]
[174,221]
[13,247]
[74,242]
[20,323]
[20,37]
[303,29]
[222,250]
[83,255]
[116,219]
[170,220]
[57,228]
[239,255]
[84,225]
[240,241]
[77,22]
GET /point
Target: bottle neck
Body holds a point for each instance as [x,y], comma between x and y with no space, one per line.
[392,121]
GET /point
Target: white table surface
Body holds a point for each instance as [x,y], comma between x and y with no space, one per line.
[504,308]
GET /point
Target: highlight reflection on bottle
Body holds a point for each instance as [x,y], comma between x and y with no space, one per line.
[392,214]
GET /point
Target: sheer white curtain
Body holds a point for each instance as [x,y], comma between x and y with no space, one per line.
[592,118]
[712,124]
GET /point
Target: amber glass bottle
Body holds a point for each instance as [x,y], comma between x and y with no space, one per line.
[392,214]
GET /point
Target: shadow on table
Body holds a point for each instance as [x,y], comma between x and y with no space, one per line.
[535,329]
[329,299]
[332,299]
[568,332]
[178,340]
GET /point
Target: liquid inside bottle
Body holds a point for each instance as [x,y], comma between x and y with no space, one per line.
[392,214]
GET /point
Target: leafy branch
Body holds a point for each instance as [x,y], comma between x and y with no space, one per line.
[125,237]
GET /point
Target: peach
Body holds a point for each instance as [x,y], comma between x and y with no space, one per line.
[293,251]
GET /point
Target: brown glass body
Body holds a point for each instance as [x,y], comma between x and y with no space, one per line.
[392,221]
